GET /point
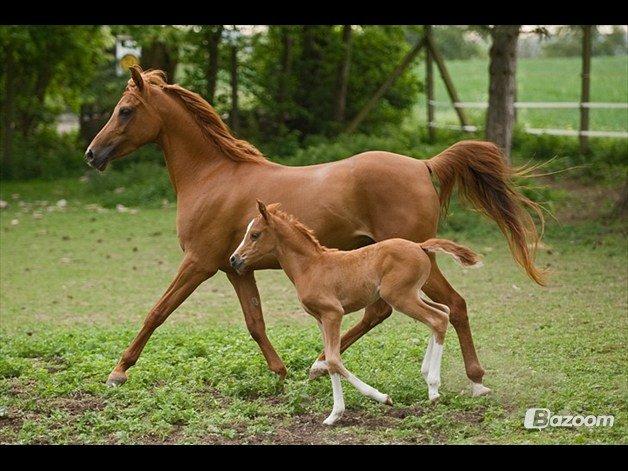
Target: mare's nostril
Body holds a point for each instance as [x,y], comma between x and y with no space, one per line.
[232,260]
[89,155]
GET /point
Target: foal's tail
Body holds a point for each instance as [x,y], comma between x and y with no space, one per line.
[483,177]
[463,255]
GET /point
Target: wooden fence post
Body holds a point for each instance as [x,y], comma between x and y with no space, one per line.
[444,73]
[429,87]
[586,88]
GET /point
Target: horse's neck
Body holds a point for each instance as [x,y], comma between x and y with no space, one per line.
[296,253]
[191,158]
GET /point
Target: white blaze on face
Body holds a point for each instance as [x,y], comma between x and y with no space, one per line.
[248,229]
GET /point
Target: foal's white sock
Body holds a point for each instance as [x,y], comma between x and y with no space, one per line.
[367,390]
[425,366]
[339,400]
[433,377]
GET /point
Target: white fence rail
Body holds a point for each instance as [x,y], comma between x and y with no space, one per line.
[534,104]
[537,105]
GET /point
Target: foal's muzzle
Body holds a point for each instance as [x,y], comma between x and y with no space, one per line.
[237,263]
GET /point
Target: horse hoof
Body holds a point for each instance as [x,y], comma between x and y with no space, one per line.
[388,401]
[478,389]
[116,379]
[332,419]
[434,397]
[281,371]
[318,369]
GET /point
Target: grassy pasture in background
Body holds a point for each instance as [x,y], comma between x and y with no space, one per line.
[539,79]
[76,284]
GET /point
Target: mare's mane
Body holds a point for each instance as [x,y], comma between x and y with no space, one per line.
[209,121]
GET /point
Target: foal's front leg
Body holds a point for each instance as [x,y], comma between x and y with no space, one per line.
[331,337]
[187,280]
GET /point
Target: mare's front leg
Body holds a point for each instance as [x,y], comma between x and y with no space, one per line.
[188,278]
[248,295]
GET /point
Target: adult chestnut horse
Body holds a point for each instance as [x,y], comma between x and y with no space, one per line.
[350,203]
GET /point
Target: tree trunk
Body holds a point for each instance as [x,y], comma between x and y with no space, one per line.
[342,80]
[234,117]
[586,87]
[214,36]
[159,55]
[287,42]
[500,117]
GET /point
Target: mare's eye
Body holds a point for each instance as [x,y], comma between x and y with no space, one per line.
[254,235]
[126,111]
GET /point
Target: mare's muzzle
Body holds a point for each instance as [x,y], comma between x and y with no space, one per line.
[99,159]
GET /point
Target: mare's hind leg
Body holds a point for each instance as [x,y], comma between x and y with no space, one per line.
[439,290]
[374,314]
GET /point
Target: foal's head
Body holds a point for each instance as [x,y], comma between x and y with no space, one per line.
[259,240]
[133,123]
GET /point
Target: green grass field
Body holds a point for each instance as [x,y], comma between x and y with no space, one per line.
[540,79]
[76,284]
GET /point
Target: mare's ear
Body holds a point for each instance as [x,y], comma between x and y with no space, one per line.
[136,75]
[262,210]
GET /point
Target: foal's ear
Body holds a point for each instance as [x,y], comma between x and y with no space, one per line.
[136,75]
[262,209]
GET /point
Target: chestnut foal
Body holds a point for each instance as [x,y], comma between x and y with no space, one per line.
[331,283]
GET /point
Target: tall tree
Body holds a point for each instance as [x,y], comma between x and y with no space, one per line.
[342,79]
[285,73]
[234,115]
[161,46]
[500,117]
[212,37]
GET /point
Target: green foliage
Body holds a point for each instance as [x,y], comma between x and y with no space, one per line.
[606,162]
[46,154]
[311,84]
[44,70]
[142,183]
[567,42]
[454,43]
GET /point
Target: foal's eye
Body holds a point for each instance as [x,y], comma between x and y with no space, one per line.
[254,235]
[125,111]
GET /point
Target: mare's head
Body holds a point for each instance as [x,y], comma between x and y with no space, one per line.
[133,123]
[259,240]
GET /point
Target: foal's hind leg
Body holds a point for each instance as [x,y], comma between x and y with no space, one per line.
[439,290]
[425,365]
[409,302]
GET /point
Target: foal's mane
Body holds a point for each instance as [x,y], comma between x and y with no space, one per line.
[300,228]
[208,120]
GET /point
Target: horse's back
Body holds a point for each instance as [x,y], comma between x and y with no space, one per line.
[397,194]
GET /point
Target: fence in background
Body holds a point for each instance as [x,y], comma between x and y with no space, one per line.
[461,105]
